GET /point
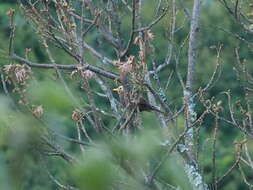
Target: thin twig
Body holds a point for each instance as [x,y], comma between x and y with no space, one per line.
[155,21]
[130,41]
[214,153]
[94,69]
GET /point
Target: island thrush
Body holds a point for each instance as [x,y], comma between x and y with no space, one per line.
[142,104]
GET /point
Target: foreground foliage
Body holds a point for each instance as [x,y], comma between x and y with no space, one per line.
[74,73]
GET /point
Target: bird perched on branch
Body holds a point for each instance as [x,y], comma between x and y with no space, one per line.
[128,72]
[142,104]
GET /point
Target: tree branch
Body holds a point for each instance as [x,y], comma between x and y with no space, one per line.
[94,69]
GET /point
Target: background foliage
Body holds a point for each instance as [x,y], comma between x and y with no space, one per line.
[20,163]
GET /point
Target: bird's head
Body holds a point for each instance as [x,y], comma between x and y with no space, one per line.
[120,89]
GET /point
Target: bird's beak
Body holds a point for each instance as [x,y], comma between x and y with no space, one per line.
[120,88]
[116,89]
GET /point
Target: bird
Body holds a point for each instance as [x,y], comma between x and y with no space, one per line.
[127,98]
[142,103]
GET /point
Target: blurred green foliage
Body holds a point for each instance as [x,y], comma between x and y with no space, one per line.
[99,167]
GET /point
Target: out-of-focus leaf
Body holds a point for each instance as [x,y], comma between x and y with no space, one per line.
[4,178]
[95,171]
[174,173]
[51,95]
